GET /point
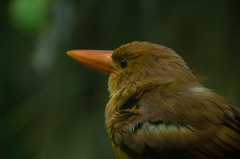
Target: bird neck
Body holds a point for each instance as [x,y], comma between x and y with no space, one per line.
[125,94]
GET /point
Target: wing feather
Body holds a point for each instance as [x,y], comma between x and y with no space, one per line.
[200,126]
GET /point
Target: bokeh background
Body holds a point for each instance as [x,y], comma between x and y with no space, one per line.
[53,108]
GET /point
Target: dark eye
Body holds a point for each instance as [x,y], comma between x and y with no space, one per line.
[123,63]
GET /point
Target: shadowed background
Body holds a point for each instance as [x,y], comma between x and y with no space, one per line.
[52,108]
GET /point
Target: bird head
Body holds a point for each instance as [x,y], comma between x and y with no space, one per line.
[144,64]
[135,63]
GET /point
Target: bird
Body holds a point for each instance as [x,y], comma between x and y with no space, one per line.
[158,109]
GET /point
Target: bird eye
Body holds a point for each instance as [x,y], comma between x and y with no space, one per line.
[123,63]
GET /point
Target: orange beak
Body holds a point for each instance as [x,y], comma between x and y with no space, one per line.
[100,60]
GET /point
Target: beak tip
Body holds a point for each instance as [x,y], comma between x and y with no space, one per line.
[69,53]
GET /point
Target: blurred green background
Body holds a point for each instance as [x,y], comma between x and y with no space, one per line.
[52,108]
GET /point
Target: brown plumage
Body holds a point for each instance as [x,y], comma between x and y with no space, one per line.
[158,108]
